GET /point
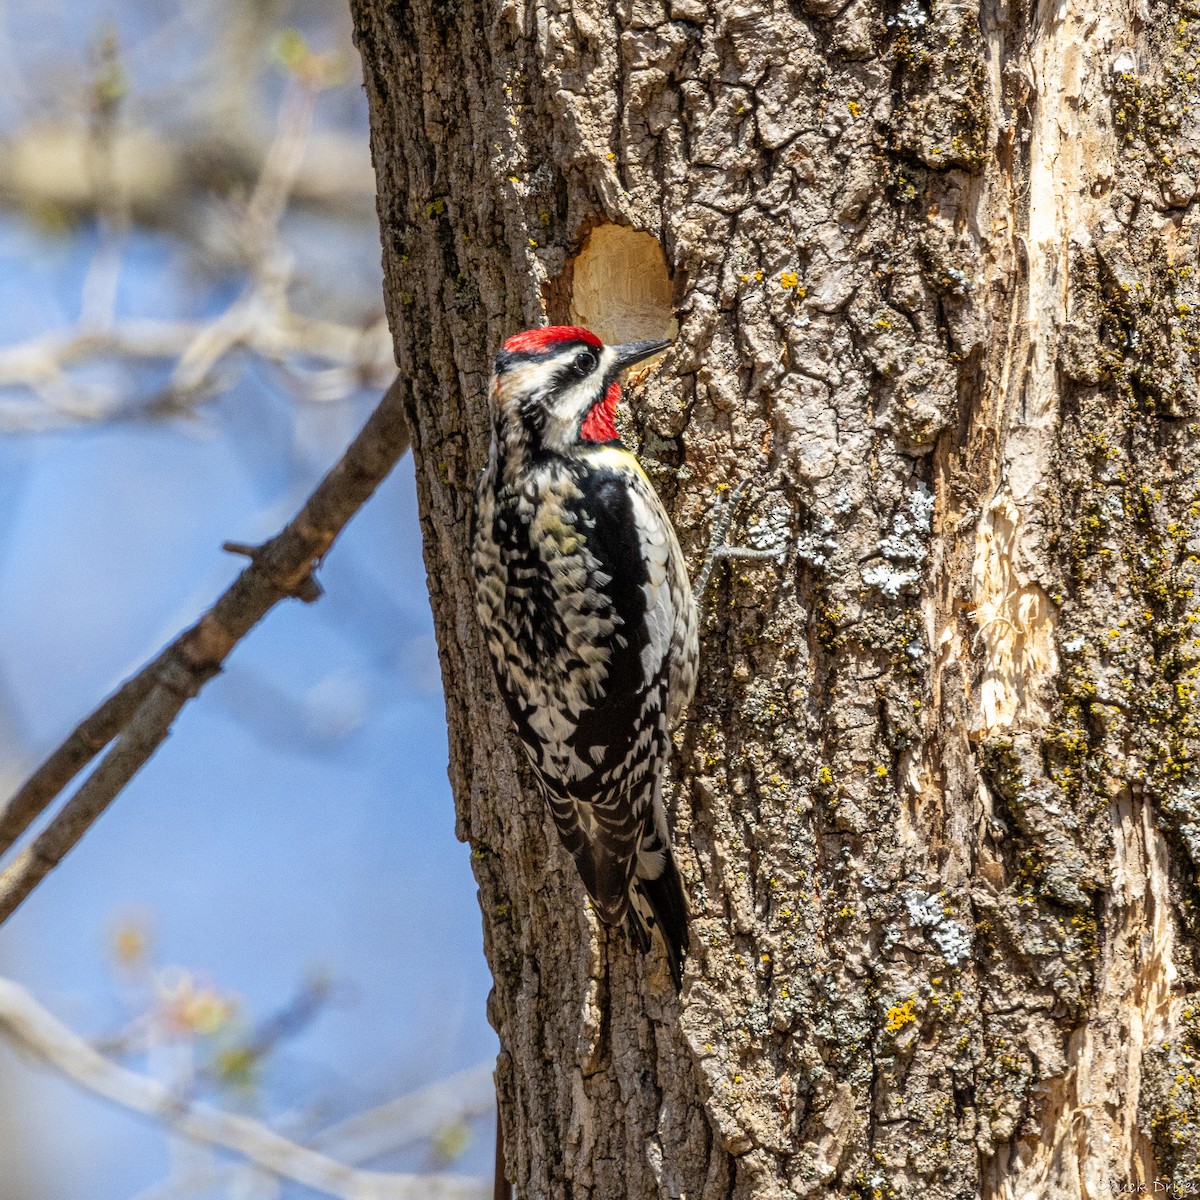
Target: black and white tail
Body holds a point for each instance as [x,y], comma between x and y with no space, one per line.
[659,903]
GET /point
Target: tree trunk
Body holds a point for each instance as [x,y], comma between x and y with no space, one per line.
[937,801]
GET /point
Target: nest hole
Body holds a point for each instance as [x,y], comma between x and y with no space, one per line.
[620,286]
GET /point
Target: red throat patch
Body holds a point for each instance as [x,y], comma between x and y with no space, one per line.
[534,341]
[600,424]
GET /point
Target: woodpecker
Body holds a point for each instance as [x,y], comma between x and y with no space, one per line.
[584,600]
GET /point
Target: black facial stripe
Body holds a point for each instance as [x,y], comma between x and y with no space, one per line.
[505,360]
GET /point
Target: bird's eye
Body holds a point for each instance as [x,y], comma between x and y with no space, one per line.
[583,363]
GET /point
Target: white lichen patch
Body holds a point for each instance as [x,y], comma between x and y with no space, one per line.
[905,547]
[911,16]
[891,581]
[816,546]
[928,912]
[1124,63]
[769,531]
[961,282]
[924,908]
[909,539]
[953,941]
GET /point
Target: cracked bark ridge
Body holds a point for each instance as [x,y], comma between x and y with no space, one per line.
[936,800]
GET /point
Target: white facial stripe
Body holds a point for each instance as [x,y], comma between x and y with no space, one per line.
[564,415]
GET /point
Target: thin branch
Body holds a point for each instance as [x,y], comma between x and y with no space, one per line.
[256,324]
[25,1022]
[411,1118]
[142,711]
[372,1133]
[142,737]
[84,742]
[281,167]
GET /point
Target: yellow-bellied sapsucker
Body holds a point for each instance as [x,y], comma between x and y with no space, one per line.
[583,596]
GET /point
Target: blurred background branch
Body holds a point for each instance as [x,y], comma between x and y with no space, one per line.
[31,1028]
[140,715]
[319,359]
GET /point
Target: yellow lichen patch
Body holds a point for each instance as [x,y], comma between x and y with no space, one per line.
[900,1015]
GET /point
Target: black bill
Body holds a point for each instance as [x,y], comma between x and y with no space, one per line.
[632,353]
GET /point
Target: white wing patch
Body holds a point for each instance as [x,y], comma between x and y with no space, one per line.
[660,611]
[671,619]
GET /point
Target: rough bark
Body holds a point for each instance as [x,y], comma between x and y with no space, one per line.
[937,800]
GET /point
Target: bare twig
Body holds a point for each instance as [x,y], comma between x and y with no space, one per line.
[106,94]
[85,741]
[281,167]
[255,323]
[26,1023]
[384,1129]
[142,711]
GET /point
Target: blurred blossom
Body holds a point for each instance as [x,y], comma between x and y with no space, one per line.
[188,1008]
[130,944]
[450,1142]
